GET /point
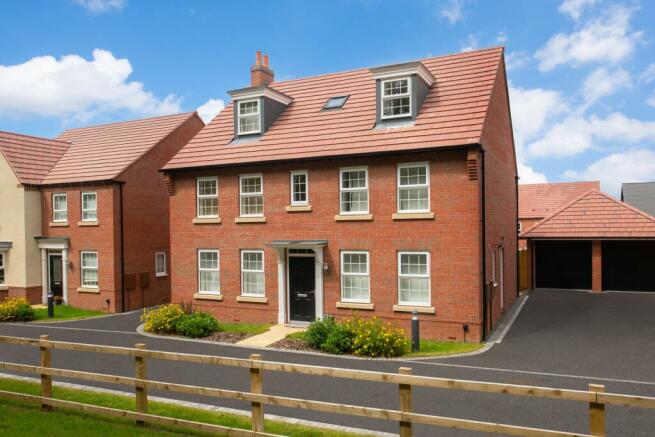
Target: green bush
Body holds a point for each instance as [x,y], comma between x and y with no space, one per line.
[318,331]
[16,309]
[374,338]
[197,325]
[162,320]
[339,340]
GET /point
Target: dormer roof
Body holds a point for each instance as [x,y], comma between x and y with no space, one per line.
[404,69]
[260,91]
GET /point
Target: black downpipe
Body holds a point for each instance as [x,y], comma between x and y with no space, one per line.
[484,249]
[122,268]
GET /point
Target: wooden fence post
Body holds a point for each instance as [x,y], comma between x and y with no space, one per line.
[256,386]
[596,413]
[46,380]
[405,391]
[140,388]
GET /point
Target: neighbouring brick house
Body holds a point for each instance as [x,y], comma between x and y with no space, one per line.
[383,190]
[103,214]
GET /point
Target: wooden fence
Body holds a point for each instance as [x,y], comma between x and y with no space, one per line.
[524,277]
[595,396]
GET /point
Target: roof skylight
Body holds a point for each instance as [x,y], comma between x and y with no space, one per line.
[335,102]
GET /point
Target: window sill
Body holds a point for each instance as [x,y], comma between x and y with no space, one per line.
[4,287]
[353,217]
[252,299]
[207,296]
[88,290]
[250,220]
[412,308]
[58,224]
[206,220]
[413,216]
[161,275]
[89,223]
[299,208]
[355,305]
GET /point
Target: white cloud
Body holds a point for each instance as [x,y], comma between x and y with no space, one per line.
[574,8]
[527,175]
[605,39]
[210,109]
[501,38]
[576,134]
[604,82]
[101,6]
[651,100]
[75,87]
[631,166]
[471,43]
[517,59]
[648,75]
[452,10]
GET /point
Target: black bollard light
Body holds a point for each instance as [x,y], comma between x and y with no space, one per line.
[416,334]
[51,305]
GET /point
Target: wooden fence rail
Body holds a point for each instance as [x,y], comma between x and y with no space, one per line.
[595,397]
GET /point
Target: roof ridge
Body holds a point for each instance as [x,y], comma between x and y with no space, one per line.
[353,70]
[558,183]
[627,205]
[189,113]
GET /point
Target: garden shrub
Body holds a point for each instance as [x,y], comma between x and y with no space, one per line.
[197,325]
[16,309]
[318,331]
[375,338]
[162,320]
[339,340]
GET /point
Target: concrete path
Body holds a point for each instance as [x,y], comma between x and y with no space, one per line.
[274,334]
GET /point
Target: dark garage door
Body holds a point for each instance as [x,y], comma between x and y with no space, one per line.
[563,264]
[629,265]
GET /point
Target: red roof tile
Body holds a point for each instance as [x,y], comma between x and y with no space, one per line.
[453,114]
[595,215]
[31,158]
[541,200]
[104,152]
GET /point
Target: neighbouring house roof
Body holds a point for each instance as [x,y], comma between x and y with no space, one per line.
[595,215]
[453,114]
[103,152]
[31,158]
[541,200]
[641,195]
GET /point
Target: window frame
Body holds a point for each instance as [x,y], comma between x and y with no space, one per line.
[3,269]
[368,274]
[262,271]
[95,210]
[242,195]
[200,270]
[291,175]
[331,108]
[258,114]
[428,275]
[206,196]
[400,166]
[159,273]
[384,97]
[83,268]
[55,211]
[365,188]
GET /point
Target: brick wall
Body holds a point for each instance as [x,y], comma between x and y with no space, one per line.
[146,230]
[453,239]
[501,196]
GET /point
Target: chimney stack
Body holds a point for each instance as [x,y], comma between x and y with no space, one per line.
[260,73]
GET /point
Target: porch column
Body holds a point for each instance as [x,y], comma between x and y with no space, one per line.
[596,266]
[44,276]
[64,274]
[281,289]
[318,292]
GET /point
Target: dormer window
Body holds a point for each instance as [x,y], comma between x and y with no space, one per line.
[396,98]
[249,117]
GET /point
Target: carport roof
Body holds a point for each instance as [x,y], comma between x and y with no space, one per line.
[595,215]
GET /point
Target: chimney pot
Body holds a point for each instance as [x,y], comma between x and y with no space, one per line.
[260,73]
[266,61]
[258,57]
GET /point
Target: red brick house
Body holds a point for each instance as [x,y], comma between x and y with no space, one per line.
[383,190]
[105,242]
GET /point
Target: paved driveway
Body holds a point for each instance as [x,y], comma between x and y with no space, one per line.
[560,339]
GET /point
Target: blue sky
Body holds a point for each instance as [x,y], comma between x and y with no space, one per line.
[582,72]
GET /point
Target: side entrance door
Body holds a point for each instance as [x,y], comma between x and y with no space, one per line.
[302,289]
[56,274]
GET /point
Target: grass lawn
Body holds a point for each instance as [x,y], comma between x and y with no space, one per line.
[245,328]
[65,312]
[429,348]
[19,419]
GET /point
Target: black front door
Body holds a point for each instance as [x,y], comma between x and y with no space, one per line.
[56,275]
[302,288]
